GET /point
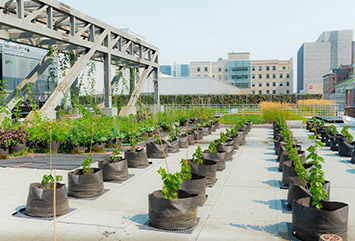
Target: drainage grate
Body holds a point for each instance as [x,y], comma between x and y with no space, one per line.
[90,198]
[119,182]
[211,185]
[201,205]
[285,209]
[147,226]
[290,235]
[21,213]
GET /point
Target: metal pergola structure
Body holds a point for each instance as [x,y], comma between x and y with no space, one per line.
[45,23]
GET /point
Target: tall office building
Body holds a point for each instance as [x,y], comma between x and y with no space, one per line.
[329,51]
[251,76]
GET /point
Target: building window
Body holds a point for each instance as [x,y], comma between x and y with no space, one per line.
[267,84]
[283,67]
[274,76]
[220,77]
[287,83]
[253,76]
[219,69]
[253,68]
[287,76]
[267,92]
[226,70]
[260,68]
[260,92]
[287,91]
[253,84]
[260,84]
[206,69]
[280,92]
[273,67]
[274,84]
[339,78]
[253,92]
[333,78]
[267,76]
[333,84]
[225,77]
[267,68]
[280,83]
[281,76]
[274,92]
[260,76]
[198,69]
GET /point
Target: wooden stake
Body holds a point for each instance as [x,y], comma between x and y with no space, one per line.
[50,150]
[187,142]
[54,204]
[162,147]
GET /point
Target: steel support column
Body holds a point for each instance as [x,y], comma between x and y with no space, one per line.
[107,80]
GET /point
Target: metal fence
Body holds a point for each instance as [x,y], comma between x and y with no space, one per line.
[254,109]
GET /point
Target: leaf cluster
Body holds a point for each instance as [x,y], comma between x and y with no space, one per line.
[185,170]
[49,178]
[197,157]
[86,164]
[172,182]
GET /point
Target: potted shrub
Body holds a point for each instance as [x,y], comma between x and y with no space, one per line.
[198,132]
[207,168]
[173,142]
[78,137]
[213,155]
[58,135]
[157,149]
[223,146]
[232,136]
[332,131]
[85,182]
[17,139]
[187,135]
[314,216]
[114,167]
[4,143]
[346,145]
[136,157]
[40,197]
[171,208]
[192,183]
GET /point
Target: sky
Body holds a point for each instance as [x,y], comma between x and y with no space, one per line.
[197,30]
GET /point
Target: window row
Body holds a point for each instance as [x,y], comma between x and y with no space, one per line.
[273,76]
[268,92]
[268,84]
[267,68]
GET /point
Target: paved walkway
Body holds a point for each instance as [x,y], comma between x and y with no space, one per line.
[244,204]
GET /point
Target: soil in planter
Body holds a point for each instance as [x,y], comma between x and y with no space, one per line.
[114,171]
[85,186]
[137,159]
[178,214]
[196,185]
[156,150]
[40,200]
[308,223]
[207,169]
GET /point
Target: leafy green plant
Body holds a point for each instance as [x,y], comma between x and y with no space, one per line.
[171,182]
[172,135]
[212,147]
[345,132]
[133,143]
[222,139]
[333,129]
[197,157]
[185,170]
[86,164]
[322,123]
[115,155]
[316,176]
[49,178]
[156,139]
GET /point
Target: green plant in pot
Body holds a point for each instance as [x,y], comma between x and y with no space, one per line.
[314,216]
[158,149]
[173,142]
[4,143]
[40,197]
[18,138]
[171,207]
[346,144]
[212,154]
[136,157]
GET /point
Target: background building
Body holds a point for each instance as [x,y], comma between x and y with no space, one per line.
[175,70]
[334,77]
[251,76]
[330,50]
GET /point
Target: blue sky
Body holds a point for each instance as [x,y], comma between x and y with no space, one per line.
[197,30]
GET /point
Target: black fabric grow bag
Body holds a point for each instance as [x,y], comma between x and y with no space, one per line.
[84,186]
[242,138]
[228,148]
[217,124]
[297,191]
[114,171]
[308,223]
[182,141]
[156,150]
[289,171]
[205,131]
[196,185]
[136,158]
[173,146]
[207,169]
[345,148]
[99,146]
[235,141]
[282,148]
[334,142]
[40,201]
[353,157]
[284,157]
[113,142]
[4,152]
[18,148]
[219,157]
[75,149]
[54,146]
[176,214]
[191,139]
[198,135]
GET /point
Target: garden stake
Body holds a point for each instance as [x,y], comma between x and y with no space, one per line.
[54,205]
[162,147]
[187,141]
[50,150]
